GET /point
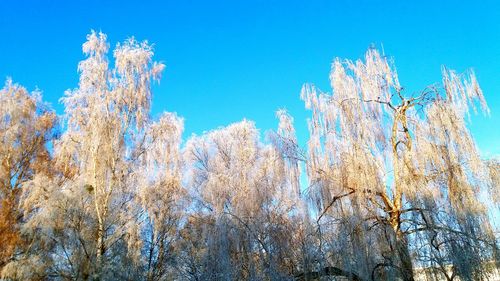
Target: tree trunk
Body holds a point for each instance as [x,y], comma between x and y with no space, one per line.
[406,265]
[401,246]
[99,250]
[327,271]
[402,253]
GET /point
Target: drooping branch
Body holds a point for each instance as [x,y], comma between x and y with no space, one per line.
[334,199]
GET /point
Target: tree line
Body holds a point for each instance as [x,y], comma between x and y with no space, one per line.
[390,186]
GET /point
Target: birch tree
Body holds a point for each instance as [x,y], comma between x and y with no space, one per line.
[86,215]
[162,199]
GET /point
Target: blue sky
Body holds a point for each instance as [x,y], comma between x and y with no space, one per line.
[229,60]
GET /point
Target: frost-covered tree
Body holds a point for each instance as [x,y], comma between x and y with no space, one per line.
[162,199]
[26,126]
[396,178]
[396,186]
[86,218]
[245,204]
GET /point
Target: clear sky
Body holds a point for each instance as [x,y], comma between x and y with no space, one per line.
[229,60]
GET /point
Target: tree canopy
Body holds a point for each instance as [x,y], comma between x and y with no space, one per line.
[390,185]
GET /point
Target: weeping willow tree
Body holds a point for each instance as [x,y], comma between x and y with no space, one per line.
[244,218]
[396,179]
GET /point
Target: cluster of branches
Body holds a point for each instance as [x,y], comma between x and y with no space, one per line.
[396,189]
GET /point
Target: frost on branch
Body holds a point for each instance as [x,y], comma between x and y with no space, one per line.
[80,217]
[384,161]
[245,202]
[394,185]
[26,126]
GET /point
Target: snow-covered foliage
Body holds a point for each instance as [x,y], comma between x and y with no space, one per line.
[26,125]
[240,186]
[398,171]
[389,184]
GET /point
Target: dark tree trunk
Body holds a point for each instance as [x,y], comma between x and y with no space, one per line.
[327,271]
[406,265]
